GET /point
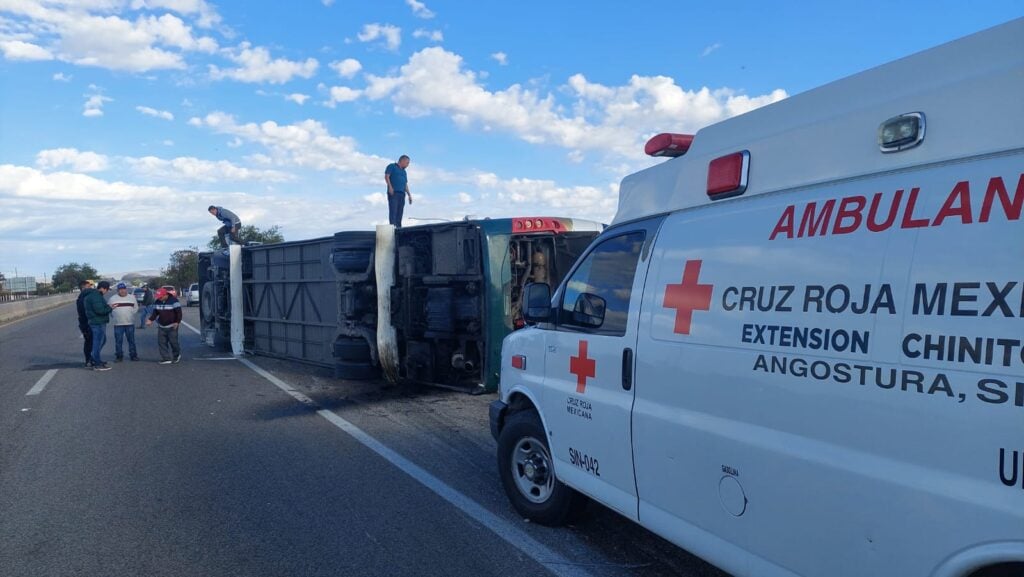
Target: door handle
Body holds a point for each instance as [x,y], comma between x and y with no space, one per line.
[552,349]
[627,369]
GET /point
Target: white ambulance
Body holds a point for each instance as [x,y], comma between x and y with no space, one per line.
[799,347]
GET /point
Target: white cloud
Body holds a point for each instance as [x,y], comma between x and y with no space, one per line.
[61,77]
[100,217]
[465,198]
[20,181]
[73,159]
[514,196]
[18,50]
[346,68]
[432,35]
[306,144]
[342,94]
[501,58]
[419,9]
[206,15]
[711,49]
[172,31]
[168,142]
[94,104]
[187,168]
[376,199]
[93,34]
[613,119]
[327,3]
[155,113]
[297,98]
[392,35]
[256,65]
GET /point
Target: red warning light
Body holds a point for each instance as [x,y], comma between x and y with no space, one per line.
[668,144]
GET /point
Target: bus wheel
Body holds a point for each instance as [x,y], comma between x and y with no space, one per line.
[528,475]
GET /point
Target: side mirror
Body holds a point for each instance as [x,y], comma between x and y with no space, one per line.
[537,303]
[588,311]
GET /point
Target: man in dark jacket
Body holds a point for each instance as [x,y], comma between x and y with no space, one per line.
[98,312]
[231,222]
[167,313]
[84,288]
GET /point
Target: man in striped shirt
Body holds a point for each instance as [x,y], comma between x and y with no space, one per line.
[167,313]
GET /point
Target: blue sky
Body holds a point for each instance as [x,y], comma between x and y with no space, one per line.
[122,120]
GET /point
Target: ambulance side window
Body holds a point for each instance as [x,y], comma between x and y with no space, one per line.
[596,297]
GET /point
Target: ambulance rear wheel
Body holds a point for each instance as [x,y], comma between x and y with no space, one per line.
[528,476]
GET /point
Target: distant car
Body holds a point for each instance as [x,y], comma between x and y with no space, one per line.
[192,295]
[139,293]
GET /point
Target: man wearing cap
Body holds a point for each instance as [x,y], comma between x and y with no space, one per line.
[167,313]
[98,312]
[84,288]
[124,306]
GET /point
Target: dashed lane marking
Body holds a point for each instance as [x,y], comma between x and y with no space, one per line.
[41,383]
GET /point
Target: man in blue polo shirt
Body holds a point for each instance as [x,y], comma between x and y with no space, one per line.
[398,189]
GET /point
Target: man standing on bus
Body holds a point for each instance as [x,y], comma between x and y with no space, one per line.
[398,189]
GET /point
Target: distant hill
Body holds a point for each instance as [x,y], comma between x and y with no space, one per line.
[141,275]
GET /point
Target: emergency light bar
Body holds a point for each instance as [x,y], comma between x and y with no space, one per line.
[534,224]
[667,144]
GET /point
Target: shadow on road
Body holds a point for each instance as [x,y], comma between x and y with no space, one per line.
[54,365]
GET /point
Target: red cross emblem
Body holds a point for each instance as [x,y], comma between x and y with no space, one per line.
[687,297]
[582,367]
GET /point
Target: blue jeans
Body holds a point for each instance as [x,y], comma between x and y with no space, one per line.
[144,311]
[396,206]
[99,338]
[121,331]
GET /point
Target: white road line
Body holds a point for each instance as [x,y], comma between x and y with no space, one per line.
[41,383]
[553,561]
[195,330]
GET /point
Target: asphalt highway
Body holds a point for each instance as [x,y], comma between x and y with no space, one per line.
[260,467]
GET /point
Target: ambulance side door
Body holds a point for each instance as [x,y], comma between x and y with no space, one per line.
[588,393]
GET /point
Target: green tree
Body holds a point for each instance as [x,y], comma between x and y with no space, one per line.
[249,233]
[68,275]
[181,270]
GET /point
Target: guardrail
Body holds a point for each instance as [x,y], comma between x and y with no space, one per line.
[15,309]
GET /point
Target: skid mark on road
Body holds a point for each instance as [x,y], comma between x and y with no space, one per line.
[42,382]
[553,561]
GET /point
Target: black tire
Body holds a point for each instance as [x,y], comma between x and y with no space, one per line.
[352,349]
[206,305]
[350,371]
[353,251]
[541,498]
[349,261]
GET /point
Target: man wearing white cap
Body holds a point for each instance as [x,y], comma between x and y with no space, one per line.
[123,317]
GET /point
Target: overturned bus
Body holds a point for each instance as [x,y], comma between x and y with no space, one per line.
[428,304]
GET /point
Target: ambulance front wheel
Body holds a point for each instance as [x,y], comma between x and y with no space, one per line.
[528,475]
